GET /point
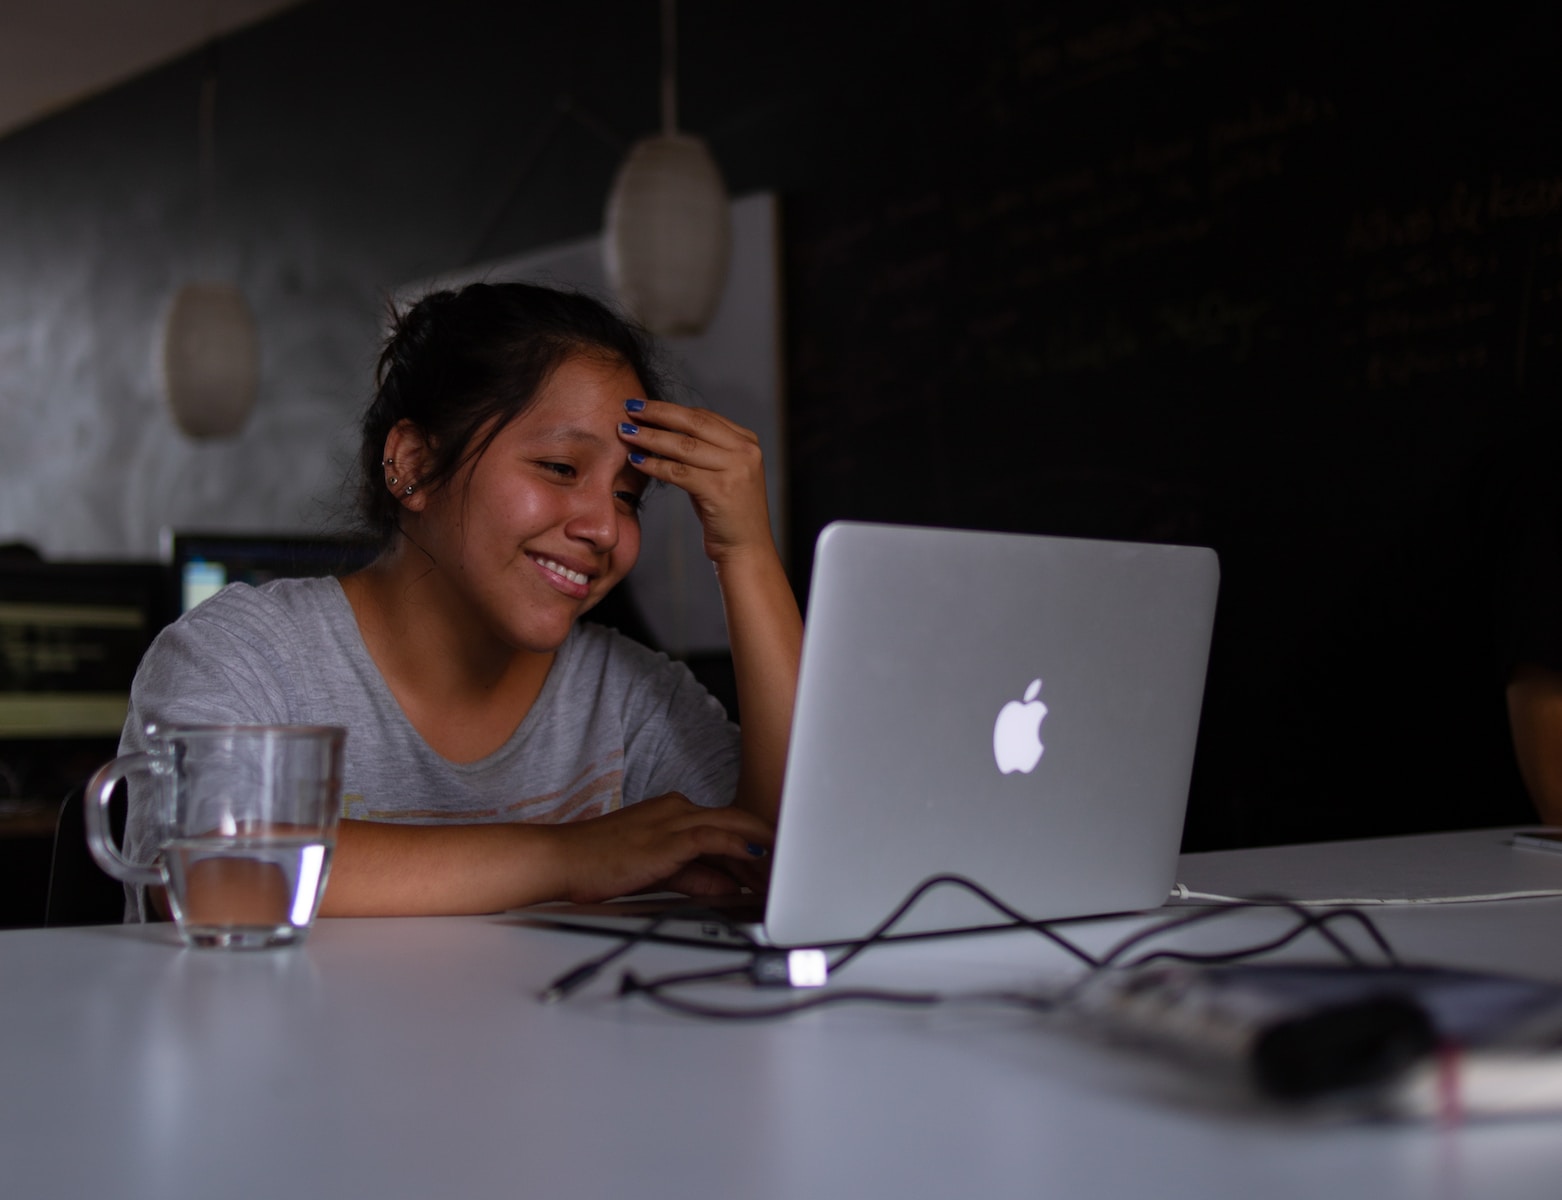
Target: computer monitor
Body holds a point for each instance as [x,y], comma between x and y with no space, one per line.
[202,564]
[71,637]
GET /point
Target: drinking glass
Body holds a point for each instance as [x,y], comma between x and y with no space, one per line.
[243,820]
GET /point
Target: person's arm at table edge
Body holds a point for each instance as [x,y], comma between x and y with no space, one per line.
[1534,697]
[384,869]
[380,869]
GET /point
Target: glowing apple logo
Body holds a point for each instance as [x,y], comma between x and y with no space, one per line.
[1017,732]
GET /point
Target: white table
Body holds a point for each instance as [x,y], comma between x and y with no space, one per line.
[409,1058]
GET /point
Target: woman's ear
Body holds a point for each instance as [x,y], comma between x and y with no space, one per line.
[405,463]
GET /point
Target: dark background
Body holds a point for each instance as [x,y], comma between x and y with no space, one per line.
[1280,278]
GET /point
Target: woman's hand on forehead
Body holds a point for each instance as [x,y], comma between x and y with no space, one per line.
[716,461]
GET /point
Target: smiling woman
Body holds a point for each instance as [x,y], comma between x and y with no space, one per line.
[500,752]
[536,529]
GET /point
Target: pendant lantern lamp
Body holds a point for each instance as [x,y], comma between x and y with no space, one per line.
[210,351]
[668,230]
[211,360]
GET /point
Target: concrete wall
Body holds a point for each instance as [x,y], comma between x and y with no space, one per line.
[358,146]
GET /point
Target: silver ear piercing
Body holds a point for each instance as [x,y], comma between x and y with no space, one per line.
[393,480]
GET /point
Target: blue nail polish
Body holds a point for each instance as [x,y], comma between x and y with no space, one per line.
[637,458]
[626,427]
[756,850]
[634,405]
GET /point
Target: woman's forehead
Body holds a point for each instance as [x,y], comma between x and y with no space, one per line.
[582,400]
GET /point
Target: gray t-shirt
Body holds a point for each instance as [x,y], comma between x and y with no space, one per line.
[615,723]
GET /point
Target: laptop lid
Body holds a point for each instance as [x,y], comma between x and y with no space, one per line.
[1014,708]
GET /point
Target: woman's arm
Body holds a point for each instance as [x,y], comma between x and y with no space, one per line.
[1535,719]
[766,633]
[720,465]
[381,869]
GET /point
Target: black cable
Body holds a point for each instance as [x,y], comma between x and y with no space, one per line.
[1303,927]
[1020,920]
[1308,920]
[631,984]
[680,980]
[577,977]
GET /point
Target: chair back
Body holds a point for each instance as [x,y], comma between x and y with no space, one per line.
[81,892]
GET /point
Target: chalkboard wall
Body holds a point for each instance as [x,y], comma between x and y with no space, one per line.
[1280,278]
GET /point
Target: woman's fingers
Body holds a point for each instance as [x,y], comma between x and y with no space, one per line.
[702,879]
[728,833]
[719,464]
[695,436]
[709,840]
[628,850]
[699,424]
[707,450]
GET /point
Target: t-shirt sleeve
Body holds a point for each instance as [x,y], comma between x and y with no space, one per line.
[204,669]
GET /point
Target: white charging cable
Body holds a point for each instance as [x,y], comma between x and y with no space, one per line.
[1181,891]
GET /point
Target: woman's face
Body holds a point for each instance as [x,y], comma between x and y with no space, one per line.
[546,521]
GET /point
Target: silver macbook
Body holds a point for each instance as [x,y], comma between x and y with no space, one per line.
[1016,709]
